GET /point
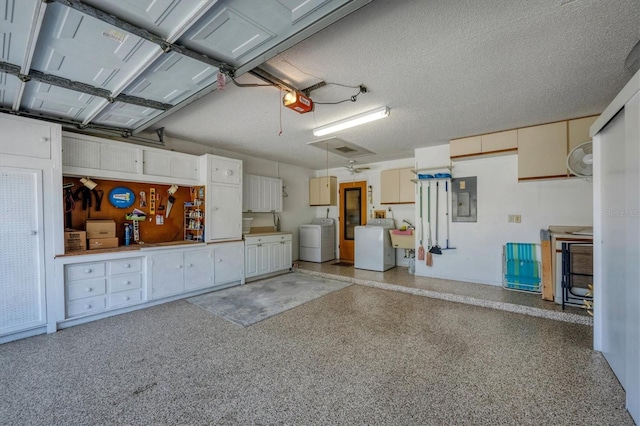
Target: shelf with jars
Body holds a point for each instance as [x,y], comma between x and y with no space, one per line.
[194,221]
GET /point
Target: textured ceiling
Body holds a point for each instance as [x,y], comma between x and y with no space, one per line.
[446,69]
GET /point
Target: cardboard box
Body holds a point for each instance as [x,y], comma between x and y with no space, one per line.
[75,240]
[102,243]
[100,228]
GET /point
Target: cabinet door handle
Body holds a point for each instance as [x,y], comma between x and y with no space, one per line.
[44,139]
[179,266]
[219,260]
[190,265]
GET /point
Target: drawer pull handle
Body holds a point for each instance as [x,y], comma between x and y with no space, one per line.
[127,298]
[191,265]
[127,266]
[179,266]
[87,306]
[127,282]
[219,260]
[87,271]
[229,172]
[88,289]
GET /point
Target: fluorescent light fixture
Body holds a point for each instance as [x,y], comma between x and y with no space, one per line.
[356,120]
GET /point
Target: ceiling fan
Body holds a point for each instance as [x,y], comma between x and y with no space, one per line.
[353,169]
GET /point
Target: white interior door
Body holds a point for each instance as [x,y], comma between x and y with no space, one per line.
[22,293]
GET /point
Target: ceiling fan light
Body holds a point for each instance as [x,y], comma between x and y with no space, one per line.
[356,120]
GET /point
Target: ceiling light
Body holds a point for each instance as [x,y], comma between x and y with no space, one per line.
[356,120]
[297,102]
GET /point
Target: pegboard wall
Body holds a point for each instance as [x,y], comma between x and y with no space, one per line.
[152,230]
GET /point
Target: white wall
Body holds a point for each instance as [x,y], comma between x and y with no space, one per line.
[372,177]
[478,253]
[295,207]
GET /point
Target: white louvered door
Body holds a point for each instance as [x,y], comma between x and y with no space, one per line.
[22,295]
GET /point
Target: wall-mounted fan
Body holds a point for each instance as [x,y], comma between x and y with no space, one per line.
[580,160]
[353,169]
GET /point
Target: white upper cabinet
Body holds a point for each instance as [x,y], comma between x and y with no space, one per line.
[262,194]
[84,155]
[170,164]
[33,140]
[224,170]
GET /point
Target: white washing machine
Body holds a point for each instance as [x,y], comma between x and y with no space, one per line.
[373,249]
[318,240]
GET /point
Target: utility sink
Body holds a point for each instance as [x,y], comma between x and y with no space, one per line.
[404,239]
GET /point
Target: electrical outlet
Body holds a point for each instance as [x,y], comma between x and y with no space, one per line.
[514,218]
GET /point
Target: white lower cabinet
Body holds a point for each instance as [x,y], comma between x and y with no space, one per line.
[93,287]
[166,274]
[228,262]
[179,272]
[111,281]
[194,269]
[267,254]
[198,269]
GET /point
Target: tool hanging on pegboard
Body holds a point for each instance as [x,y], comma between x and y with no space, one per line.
[69,205]
[171,199]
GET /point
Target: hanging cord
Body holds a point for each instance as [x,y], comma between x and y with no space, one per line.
[280,109]
[361,89]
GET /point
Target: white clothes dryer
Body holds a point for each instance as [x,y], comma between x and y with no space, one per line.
[373,249]
[318,240]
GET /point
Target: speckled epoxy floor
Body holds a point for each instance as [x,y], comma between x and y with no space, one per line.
[488,296]
[359,355]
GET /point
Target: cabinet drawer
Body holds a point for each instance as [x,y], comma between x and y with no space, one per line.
[86,288]
[125,266]
[125,298]
[83,271]
[125,282]
[266,239]
[86,306]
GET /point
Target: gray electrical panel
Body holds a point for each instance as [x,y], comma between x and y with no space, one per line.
[464,202]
